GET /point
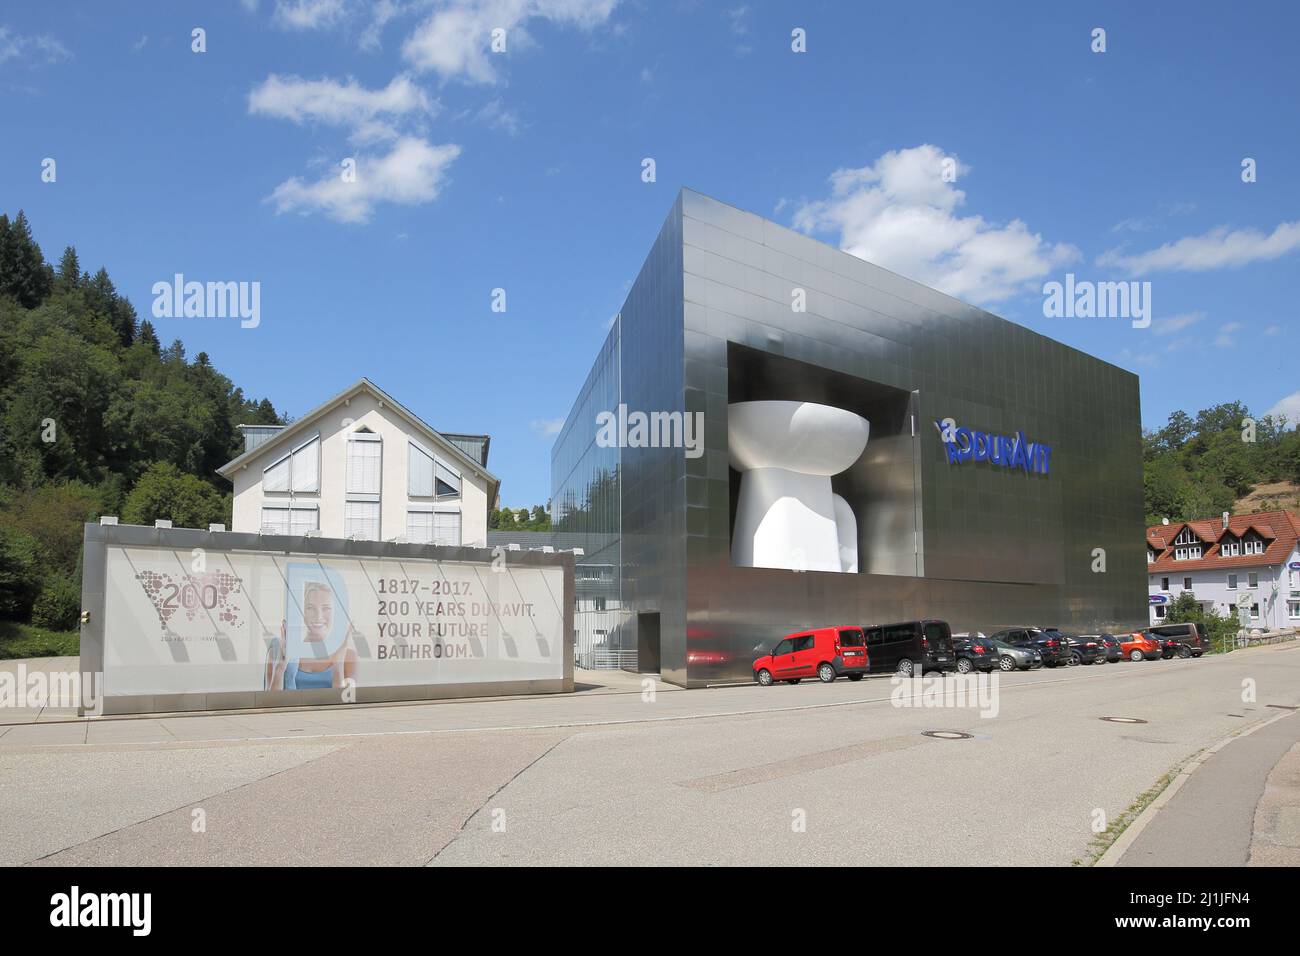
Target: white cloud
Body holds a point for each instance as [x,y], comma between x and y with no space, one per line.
[17,46]
[367,112]
[1225,338]
[1133,224]
[900,214]
[1288,406]
[454,40]
[140,44]
[547,426]
[412,172]
[739,20]
[1176,323]
[309,14]
[1273,330]
[496,116]
[1217,249]
[382,13]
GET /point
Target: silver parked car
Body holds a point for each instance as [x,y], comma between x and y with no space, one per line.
[1013,658]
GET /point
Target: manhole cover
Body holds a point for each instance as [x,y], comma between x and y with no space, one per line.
[1125,720]
[947,734]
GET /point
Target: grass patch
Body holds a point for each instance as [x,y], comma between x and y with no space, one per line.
[1102,841]
[24,640]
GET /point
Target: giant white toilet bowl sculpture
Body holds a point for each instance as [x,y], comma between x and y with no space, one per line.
[787,515]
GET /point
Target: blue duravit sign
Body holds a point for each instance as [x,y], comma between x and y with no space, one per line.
[1009,451]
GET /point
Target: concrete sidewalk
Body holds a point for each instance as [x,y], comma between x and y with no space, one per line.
[586,683]
[1241,806]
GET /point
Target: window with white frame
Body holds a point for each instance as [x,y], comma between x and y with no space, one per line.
[1232,582]
[447,482]
[1252,579]
[1293,610]
[1160,611]
[298,470]
[419,470]
[363,482]
[1186,536]
[1187,584]
[419,526]
[446,528]
[1254,612]
[1230,549]
[365,463]
[1151,556]
[430,476]
[1187,554]
[361,520]
[290,519]
[1295,579]
[1164,584]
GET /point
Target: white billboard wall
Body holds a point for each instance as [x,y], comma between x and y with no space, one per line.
[209,621]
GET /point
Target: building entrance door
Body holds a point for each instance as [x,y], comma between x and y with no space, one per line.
[647,643]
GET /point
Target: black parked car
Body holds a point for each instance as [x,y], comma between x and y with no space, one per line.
[1086,648]
[1114,653]
[976,653]
[1050,644]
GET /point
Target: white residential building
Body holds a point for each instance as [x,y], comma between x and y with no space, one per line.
[1250,561]
[363,466]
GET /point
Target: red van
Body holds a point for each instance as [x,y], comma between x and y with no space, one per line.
[824,652]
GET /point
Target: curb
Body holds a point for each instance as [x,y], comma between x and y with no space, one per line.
[1126,839]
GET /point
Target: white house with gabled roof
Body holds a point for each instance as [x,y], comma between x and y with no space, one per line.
[363,466]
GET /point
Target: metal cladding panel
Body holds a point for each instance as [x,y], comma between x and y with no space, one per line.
[710,321]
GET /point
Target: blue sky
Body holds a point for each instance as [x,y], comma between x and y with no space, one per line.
[522,170]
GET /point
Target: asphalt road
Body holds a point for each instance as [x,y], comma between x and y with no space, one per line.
[811,774]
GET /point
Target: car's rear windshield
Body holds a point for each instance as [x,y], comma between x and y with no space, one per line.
[851,637]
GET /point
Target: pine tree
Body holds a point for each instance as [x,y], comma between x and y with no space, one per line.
[149,336]
[24,274]
[4,252]
[69,270]
[121,315]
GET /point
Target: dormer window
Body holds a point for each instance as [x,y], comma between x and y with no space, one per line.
[1187,536]
[1187,554]
[1151,556]
[1252,545]
[1229,547]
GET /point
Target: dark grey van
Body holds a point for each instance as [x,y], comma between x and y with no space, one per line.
[910,647]
[1182,640]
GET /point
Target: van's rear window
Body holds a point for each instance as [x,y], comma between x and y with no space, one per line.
[937,633]
[851,638]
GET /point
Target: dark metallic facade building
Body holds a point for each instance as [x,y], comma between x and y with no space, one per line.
[713,319]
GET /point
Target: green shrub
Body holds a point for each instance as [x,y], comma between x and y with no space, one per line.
[59,605]
[19,573]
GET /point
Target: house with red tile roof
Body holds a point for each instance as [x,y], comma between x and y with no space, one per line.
[1248,561]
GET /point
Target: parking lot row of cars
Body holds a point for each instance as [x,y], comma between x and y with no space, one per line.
[926,646]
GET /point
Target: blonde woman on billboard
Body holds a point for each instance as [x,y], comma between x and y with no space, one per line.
[310,665]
